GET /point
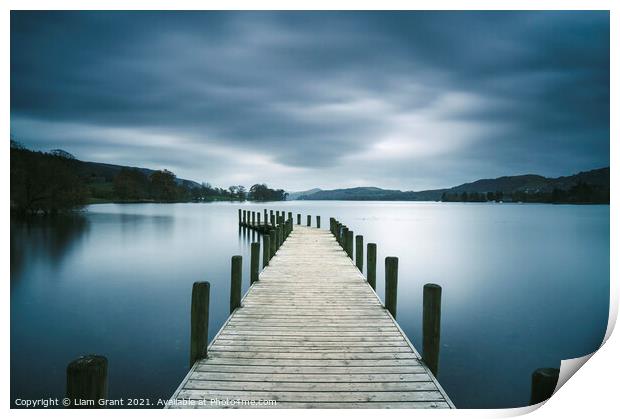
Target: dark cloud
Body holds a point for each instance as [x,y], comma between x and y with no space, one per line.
[409,100]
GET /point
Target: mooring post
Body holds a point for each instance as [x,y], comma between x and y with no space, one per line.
[279,232]
[273,220]
[244,215]
[87,379]
[309,221]
[253,218]
[270,214]
[266,249]
[431,326]
[350,244]
[391,284]
[199,333]
[265,213]
[318,221]
[239,216]
[258,218]
[290,215]
[272,242]
[235,282]
[343,238]
[544,382]
[359,252]
[298,219]
[371,265]
[254,255]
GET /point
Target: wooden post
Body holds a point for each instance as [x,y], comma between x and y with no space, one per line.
[272,239]
[391,284]
[266,249]
[318,221]
[270,214]
[87,379]
[371,265]
[309,223]
[235,283]
[279,236]
[298,219]
[258,218]
[359,252]
[265,213]
[273,220]
[199,334]
[255,254]
[253,218]
[350,243]
[290,215]
[239,216]
[331,225]
[278,216]
[431,326]
[244,215]
[544,382]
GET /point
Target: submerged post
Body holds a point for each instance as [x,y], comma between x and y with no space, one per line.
[266,249]
[309,222]
[391,284]
[298,219]
[235,283]
[254,253]
[371,265]
[350,243]
[318,221]
[431,326]
[199,334]
[359,252]
[87,379]
[544,382]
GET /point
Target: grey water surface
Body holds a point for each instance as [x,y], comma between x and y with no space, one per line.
[524,286]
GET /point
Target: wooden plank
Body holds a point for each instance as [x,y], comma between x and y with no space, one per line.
[187,404]
[309,386]
[315,378]
[270,369]
[319,396]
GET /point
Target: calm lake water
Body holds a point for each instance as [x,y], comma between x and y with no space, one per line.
[524,286]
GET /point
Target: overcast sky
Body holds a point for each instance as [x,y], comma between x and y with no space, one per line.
[406,100]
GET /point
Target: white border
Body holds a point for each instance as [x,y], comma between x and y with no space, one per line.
[592,393]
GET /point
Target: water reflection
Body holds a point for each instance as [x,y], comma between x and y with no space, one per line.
[44,240]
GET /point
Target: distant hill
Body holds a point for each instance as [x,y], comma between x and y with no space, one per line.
[296,195]
[104,172]
[591,186]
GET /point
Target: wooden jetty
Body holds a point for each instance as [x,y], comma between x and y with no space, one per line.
[310,333]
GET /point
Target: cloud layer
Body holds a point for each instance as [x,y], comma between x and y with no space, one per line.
[407,100]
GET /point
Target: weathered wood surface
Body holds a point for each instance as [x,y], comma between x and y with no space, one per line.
[311,333]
